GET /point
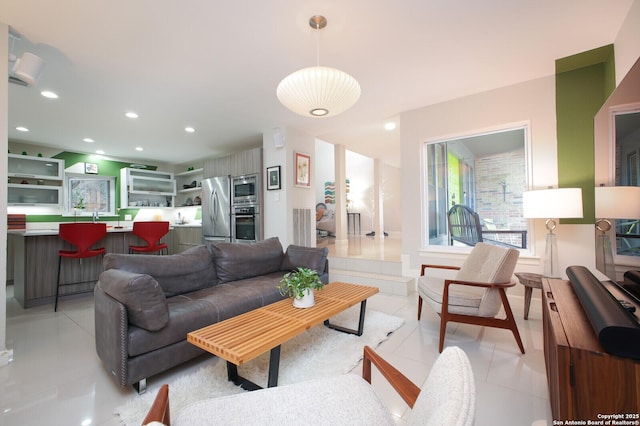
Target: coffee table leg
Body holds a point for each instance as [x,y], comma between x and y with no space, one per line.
[274,367]
[360,330]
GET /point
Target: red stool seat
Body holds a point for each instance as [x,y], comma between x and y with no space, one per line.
[151,233]
[83,236]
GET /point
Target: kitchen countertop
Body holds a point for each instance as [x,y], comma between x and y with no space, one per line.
[52,229]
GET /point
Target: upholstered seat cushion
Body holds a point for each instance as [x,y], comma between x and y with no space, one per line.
[346,399]
[485,264]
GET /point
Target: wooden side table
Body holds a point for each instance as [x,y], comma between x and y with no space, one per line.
[530,281]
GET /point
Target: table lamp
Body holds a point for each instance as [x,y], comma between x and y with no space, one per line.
[612,202]
[551,204]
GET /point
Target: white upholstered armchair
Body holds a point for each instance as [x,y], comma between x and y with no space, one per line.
[473,292]
[447,398]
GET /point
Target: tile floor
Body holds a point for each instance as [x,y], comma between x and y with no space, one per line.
[56,377]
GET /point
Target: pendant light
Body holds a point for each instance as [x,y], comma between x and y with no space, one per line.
[318,91]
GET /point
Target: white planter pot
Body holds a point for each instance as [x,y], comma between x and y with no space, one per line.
[305,302]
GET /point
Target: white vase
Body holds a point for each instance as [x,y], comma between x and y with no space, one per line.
[306,301]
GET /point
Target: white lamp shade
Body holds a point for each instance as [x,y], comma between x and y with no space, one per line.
[617,202]
[318,91]
[552,203]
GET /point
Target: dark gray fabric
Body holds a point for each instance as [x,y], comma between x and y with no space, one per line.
[307,257]
[140,294]
[236,261]
[185,315]
[179,273]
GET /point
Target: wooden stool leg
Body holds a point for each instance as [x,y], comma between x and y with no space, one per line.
[527,301]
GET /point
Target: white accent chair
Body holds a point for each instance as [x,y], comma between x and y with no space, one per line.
[473,292]
[447,398]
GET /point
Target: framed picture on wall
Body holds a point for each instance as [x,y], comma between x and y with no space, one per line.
[91,168]
[273,178]
[303,170]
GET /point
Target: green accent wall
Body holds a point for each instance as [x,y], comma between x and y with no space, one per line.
[583,84]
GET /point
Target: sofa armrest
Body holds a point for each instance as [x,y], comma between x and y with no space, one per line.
[141,295]
[111,332]
[405,387]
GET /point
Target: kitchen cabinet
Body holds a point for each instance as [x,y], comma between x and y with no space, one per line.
[34,181]
[189,187]
[186,237]
[146,188]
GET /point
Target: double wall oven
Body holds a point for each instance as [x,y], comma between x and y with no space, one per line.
[245,209]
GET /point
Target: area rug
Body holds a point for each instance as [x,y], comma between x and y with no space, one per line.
[316,353]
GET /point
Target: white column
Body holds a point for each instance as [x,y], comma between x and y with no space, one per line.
[378,202]
[341,193]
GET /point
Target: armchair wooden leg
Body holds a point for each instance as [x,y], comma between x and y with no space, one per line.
[419,307]
[510,319]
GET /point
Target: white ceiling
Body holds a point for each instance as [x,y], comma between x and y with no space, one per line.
[215,65]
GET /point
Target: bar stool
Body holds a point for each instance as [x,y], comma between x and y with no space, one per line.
[151,233]
[83,236]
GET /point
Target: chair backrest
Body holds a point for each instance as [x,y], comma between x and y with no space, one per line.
[464,225]
[150,232]
[82,235]
[489,264]
[448,396]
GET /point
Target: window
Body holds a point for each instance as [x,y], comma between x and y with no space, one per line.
[86,195]
[486,173]
[627,173]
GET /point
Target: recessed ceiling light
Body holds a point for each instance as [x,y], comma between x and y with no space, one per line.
[100,152]
[49,94]
[139,148]
[189,129]
[88,140]
[22,129]
[131,114]
[390,126]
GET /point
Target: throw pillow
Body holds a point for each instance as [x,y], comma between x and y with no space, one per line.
[237,261]
[142,296]
[307,257]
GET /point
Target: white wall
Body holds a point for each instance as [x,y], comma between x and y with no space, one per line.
[532,102]
[278,205]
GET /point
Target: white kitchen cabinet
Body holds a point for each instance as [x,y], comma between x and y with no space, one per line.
[34,181]
[146,188]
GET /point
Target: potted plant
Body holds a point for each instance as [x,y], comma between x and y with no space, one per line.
[299,285]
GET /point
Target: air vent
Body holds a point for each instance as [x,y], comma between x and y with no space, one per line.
[16,80]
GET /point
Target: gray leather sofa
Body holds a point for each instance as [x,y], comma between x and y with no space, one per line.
[146,304]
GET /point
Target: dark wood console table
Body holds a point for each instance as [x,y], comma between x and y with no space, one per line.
[585,382]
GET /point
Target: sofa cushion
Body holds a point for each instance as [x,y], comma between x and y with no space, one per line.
[140,294]
[307,257]
[236,261]
[180,273]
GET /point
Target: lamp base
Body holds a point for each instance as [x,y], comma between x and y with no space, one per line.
[604,256]
[551,262]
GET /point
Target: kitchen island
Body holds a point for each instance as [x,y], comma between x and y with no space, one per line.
[35,260]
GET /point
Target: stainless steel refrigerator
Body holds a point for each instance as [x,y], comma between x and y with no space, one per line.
[216,209]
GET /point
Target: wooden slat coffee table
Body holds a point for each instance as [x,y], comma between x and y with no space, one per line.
[244,337]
